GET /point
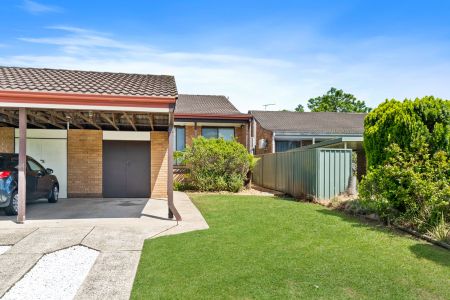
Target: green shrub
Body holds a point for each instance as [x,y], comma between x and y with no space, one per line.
[402,123]
[217,165]
[408,148]
[410,188]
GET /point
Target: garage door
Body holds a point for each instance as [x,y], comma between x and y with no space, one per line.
[49,148]
[126,169]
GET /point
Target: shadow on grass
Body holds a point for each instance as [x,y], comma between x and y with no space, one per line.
[432,252]
[426,251]
[359,221]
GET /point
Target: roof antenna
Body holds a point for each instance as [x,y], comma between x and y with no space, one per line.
[265,105]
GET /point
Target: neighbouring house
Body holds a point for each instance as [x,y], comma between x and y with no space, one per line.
[104,134]
[279,131]
[209,116]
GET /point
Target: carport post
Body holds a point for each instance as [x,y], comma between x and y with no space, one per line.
[22,193]
[172,210]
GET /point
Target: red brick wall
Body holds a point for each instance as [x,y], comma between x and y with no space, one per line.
[262,133]
[241,135]
[190,134]
[84,163]
[158,165]
[6,140]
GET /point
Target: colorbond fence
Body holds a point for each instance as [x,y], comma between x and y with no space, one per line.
[321,173]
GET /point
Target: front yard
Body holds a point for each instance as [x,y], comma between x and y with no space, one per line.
[263,247]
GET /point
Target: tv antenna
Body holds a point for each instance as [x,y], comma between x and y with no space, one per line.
[265,105]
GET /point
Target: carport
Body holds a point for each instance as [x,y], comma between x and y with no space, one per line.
[117,129]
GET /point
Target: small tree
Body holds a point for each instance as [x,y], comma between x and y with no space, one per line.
[337,101]
[217,165]
[300,108]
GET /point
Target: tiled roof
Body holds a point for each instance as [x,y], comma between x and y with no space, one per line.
[205,104]
[86,82]
[311,122]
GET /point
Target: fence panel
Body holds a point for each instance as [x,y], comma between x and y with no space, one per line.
[320,173]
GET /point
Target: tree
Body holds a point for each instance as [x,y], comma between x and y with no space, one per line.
[337,101]
[300,108]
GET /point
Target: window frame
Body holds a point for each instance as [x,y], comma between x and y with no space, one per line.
[217,128]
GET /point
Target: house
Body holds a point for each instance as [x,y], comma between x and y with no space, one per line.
[104,134]
[278,131]
[210,116]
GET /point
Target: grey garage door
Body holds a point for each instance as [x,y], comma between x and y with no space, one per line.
[126,169]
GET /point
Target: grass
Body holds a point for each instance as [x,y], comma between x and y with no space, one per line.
[262,247]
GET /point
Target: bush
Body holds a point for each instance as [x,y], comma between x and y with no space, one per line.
[403,123]
[411,188]
[217,165]
[408,148]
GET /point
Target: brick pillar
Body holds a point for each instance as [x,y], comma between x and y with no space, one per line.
[6,140]
[158,166]
[84,163]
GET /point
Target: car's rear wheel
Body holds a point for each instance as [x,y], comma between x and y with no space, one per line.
[54,194]
[13,207]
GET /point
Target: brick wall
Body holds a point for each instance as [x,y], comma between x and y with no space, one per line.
[6,140]
[190,134]
[159,156]
[84,163]
[262,133]
[241,135]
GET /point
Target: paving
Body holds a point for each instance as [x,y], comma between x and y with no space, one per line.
[115,227]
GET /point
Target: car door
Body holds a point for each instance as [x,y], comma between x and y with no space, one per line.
[41,179]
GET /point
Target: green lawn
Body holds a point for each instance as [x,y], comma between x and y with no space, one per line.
[262,247]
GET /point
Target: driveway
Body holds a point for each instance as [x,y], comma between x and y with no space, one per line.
[116,228]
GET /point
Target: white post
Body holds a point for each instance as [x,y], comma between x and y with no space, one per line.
[22,193]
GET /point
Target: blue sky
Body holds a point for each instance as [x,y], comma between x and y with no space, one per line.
[255,52]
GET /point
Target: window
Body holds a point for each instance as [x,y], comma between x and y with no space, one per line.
[180,138]
[213,132]
[34,166]
[282,146]
[179,143]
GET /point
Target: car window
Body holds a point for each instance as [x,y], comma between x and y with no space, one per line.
[34,166]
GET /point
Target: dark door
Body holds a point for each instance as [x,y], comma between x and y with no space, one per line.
[126,169]
[38,181]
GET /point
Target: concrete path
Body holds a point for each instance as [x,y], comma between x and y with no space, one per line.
[119,241]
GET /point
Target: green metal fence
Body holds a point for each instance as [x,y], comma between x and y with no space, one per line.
[321,173]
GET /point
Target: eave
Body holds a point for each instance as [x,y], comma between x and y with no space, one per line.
[68,100]
[241,117]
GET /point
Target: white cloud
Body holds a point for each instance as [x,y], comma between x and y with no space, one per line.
[34,7]
[372,69]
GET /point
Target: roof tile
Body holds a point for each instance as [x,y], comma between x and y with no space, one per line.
[311,122]
[205,104]
[86,82]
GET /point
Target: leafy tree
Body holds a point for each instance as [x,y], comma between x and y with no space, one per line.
[300,108]
[337,101]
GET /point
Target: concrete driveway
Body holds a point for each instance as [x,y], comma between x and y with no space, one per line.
[115,227]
